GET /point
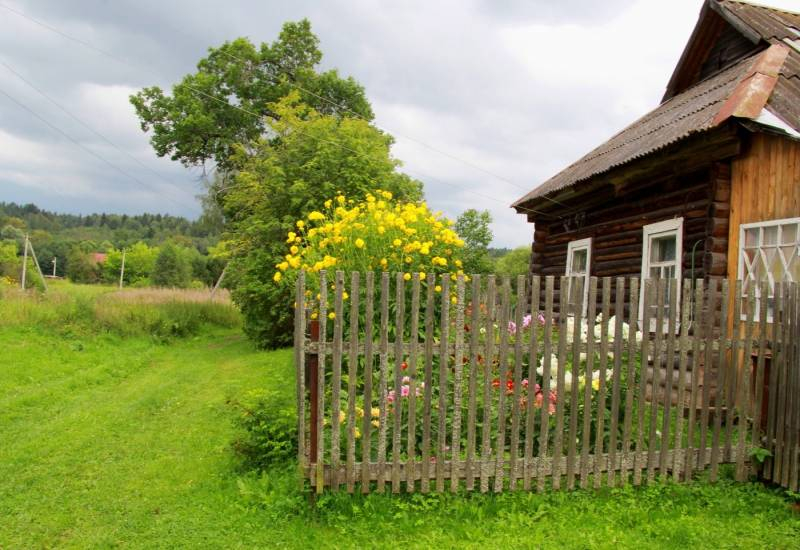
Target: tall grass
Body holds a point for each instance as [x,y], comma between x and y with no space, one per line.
[161,313]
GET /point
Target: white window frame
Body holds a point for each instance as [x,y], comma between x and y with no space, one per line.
[654,230]
[741,274]
[581,244]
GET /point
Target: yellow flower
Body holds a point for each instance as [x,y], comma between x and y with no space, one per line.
[291,237]
[359,412]
[438,288]
[397,242]
[283,266]
[340,199]
[375,412]
[407,277]
[359,243]
[301,224]
[376,423]
[316,216]
[357,433]
[386,195]
[381,230]
[384,262]
[342,417]
[345,295]
[293,249]
[328,203]
[331,316]
[596,384]
[453,300]
[277,277]
[422,275]
[314,315]
[408,259]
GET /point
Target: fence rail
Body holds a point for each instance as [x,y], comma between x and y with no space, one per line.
[435,384]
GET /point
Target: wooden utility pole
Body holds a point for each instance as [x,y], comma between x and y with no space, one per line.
[219,282]
[36,263]
[25,263]
[122,270]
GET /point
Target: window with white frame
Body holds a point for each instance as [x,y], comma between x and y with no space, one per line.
[579,261]
[769,252]
[662,251]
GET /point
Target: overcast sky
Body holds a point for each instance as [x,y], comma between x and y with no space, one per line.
[520,88]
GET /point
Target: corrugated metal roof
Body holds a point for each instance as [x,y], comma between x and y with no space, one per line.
[693,110]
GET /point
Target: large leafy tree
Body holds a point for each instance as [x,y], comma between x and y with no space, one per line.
[226,102]
[473,227]
[310,158]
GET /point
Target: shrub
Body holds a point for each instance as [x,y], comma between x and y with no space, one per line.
[374,234]
[269,423]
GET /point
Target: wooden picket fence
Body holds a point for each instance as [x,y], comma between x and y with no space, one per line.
[434,385]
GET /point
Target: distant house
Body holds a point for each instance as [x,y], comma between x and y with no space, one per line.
[705,185]
[99,257]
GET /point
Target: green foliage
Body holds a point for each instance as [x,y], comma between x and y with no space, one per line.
[277,185]
[473,227]
[268,421]
[9,262]
[81,267]
[516,262]
[196,123]
[172,268]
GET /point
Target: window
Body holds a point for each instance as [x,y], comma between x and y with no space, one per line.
[768,252]
[579,261]
[662,251]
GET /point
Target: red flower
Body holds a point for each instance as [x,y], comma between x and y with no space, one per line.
[403,365]
[496,383]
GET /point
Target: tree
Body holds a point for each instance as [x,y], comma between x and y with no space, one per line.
[312,158]
[172,269]
[198,121]
[473,227]
[81,268]
[516,262]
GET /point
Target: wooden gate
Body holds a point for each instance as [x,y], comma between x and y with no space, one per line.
[433,384]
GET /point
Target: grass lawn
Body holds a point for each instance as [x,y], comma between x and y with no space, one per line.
[108,441]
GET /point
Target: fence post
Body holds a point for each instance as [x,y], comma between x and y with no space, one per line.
[312,376]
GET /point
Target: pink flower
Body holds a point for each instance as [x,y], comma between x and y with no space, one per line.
[404,390]
[524,382]
[406,379]
[537,388]
[512,327]
[540,318]
[526,321]
[390,396]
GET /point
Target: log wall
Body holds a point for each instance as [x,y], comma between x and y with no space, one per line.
[615,220]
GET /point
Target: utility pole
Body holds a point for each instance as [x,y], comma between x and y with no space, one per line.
[219,282]
[55,260]
[122,270]
[36,263]
[25,263]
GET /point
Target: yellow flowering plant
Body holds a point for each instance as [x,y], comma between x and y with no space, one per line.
[374,234]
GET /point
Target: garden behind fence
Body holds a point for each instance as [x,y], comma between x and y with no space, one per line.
[436,384]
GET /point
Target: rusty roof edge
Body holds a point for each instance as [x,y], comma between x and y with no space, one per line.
[750,96]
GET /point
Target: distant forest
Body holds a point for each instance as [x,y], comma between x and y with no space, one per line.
[74,240]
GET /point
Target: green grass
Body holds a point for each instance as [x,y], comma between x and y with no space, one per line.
[109,440]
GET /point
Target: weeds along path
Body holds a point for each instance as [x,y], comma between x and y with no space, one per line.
[104,438]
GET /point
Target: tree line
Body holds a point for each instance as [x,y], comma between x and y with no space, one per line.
[160,250]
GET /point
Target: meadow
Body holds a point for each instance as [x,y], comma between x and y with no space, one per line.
[118,417]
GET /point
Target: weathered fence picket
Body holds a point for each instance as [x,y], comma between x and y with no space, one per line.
[485,392]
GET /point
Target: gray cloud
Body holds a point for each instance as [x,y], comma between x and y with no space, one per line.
[520,88]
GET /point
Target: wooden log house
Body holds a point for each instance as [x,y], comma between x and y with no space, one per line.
[705,185]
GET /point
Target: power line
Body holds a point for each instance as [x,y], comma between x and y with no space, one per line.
[85,125]
[79,144]
[341,107]
[252,113]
